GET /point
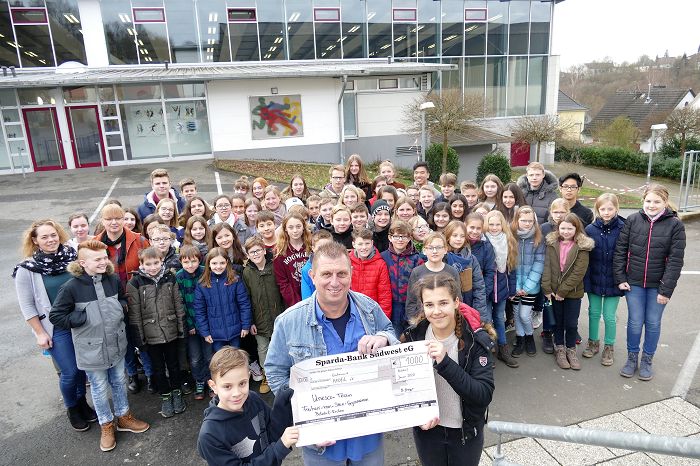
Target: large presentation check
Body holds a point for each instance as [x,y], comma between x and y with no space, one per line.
[352,394]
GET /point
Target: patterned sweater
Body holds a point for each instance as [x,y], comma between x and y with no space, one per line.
[187,283]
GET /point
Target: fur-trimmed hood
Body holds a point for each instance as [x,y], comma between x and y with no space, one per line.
[549,183]
[583,242]
[77,270]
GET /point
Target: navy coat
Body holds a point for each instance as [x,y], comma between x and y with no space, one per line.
[483,251]
[222,311]
[599,278]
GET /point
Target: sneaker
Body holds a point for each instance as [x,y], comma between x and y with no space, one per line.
[199,391]
[592,348]
[630,366]
[256,371]
[645,372]
[186,388]
[179,405]
[86,412]
[128,423]
[607,359]
[536,319]
[76,420]
[108,438]
[133,384]
[510,327]
[166,407]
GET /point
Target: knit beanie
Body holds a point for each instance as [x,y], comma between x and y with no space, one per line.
[380,204]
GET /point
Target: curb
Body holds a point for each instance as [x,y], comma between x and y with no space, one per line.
[688,216]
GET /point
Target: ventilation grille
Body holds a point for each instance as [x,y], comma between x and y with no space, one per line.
[424,82]
[407,151]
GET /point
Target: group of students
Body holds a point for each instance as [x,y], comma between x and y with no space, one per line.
[176,280]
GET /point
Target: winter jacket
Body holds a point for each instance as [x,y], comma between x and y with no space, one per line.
[149,204]
[569,283]
[222,311]
[599,278]
[413,304]
[528,272]
[322,225]
[156,313]
[187,284]
[92,307]
[243,231]
[247,437]
[649,254]
[287,268]
[471,377]
[541,198]
[400,266]
[584,213]
[371,278]
[307,285]
[483,251]
[343,238]
[381,239]
[171,261]
[265,297]
[134,243]
[471,282]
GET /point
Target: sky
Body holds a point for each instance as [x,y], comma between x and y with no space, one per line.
[587,30]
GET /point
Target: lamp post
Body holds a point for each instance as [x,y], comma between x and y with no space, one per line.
[423,142]
[655,129]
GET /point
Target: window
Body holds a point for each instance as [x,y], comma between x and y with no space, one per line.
[537,85]
[327,33]
[148,15]
[474,14]
[353,30]
[273,43]
[541,17]
[379,28]
[327,15]
[388,83]
[182,32]
[119,33]
[404,14]
[452,29]
[300,29]
[213,31]
[29,16]
[350,114]
[428,28]
[497,28]
[66,31]
[496,85]
[517,85]
[474,38]
[519,25]
[242,15]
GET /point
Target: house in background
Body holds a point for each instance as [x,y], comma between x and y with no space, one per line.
[643,108]
[573,115]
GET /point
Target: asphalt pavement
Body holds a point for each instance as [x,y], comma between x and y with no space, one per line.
[34,428]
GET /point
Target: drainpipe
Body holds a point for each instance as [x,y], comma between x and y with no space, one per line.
[341,123]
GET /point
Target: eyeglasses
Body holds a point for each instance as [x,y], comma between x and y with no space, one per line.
[337,177]
[400,237]
[113,219]
[434,248]
[255,252]
[527,222]
[422,228]
[160,240]
[569,187]
[223,206]
[167,209]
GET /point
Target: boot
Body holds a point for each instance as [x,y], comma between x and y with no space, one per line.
[108,439]
[128,423]
[133,384]
[630,366]
[530,347]
[573,359]
[179,405]
[560,353]
[607,359]
[518,348]
[166,406]
[86,412]
[592,348]
[150,386]
[547,342]
[264,387]
[505,356]
[76,420]
[645,372]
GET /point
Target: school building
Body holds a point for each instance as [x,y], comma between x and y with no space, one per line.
[113,82]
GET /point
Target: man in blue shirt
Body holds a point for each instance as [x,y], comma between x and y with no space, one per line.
[333,320]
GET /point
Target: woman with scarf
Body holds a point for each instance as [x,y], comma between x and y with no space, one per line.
[38,278]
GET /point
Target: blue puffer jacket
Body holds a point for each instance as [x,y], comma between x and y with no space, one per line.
[599,278]
[472,282]
[222,311]
[483,251]
[528,273]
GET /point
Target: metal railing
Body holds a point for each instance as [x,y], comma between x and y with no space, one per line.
[689,195]
[673,446]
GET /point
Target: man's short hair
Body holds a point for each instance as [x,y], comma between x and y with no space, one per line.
[466,185]
[159,173]
[400,227]
[313,198]
[227,359]
[187,182]
[360,209]
[535,166]
[334,168]
[91,245]
[190,251]
[447,179]
[320,235]
[362,233]
[327,200]
[340,208]
[163,229]
[254,240]
[264,216]
[571,176]
[331,250]
[112,211]
[420,164]
[149,253]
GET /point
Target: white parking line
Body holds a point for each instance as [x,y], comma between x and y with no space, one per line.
[690,272]
[218,183]
[102,203]
[687,373]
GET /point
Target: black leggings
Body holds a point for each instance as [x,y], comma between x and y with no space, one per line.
[442,446]
[162,356]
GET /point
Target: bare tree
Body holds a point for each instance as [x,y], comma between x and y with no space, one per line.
[452,113]
[683,122]
[620,132]
[539,129]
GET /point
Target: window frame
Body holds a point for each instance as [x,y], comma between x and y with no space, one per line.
[29,23]
[317,20]
[413,10]
[467,19]
[134,11]
[254,19]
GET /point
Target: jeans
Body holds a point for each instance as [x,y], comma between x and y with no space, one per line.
[199,352]
[218,344]
[263,343]
[100,383]
[607,305]
[130,358]
[566,314]
[72,380]
[162,356]
[498,314]
[442,446]
[523,319]
[643,310]
[375,458]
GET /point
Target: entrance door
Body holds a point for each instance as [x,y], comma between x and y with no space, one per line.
[85,135]
[44,139]
[519,154]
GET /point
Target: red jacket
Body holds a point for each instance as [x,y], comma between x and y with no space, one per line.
[134,243]
[371,277]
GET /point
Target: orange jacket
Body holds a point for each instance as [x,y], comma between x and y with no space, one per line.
[134,243]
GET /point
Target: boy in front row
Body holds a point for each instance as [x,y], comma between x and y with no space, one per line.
[239,427]
[91,305]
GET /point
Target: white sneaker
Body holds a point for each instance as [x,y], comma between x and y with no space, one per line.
[256,371]
[536,319]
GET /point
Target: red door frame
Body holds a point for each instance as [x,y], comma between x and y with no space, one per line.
[58,138]
[72,137]
[519,154]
